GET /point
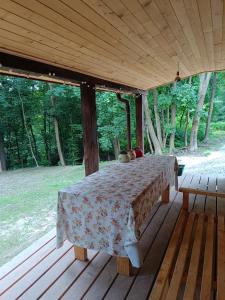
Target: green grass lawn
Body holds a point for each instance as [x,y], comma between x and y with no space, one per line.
[28,200]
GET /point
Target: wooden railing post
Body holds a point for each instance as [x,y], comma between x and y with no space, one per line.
[139,121]
[88,108]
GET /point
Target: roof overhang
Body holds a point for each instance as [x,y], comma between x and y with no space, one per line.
[130,43]
[23,67]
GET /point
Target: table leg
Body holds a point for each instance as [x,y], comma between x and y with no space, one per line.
[124,266]
[80,253]
[185,200]
[166,195]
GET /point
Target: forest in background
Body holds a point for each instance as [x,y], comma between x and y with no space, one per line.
[40,122]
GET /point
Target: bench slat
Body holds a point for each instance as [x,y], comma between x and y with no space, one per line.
[201,192]
[161,284]
[194,262]
[220,259]
[206,260]
[206,285]
[181,259]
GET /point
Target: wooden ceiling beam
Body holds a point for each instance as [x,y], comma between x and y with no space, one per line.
[18,66]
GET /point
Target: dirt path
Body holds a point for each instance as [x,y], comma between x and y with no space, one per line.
[212,164]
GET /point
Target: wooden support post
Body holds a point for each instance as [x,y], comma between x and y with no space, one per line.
[185,200]
[166,195]
[124,266]
[80,253]
[88,108]
[139,122]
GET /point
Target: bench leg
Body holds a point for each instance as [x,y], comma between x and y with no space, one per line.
[124,266]
[166,195]
[80,253]
[185,200]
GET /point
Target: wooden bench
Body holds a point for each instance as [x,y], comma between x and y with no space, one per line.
[194,263]
[201,186]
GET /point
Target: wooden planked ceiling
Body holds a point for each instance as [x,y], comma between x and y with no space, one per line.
[134,42]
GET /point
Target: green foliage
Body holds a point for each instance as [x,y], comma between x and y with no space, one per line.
[40,112]
[218,126]
[185,95]
[112,121]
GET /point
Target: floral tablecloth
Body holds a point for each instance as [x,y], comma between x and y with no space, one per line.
[105,210]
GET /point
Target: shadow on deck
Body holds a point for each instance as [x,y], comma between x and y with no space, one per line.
[42,272]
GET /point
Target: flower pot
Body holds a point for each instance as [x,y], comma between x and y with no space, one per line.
[132,154]
[139,152]
[180,170]
[124,158]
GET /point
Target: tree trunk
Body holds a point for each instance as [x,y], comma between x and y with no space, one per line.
[149,140]
[168,115]
[34,141]
[18,149]
[173,123]
[157,119]
[127,106]
[57,136]
[26,129]
[211,103]
[164,134]
[204,82]
[186,128]
[2,153]
[45,138]
[116,147]
[151,130]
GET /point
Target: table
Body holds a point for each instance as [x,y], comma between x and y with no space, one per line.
[104,211]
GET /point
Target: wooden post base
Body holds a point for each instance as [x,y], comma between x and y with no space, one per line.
[166,195]
[185,200]
[80,253]
[124,266]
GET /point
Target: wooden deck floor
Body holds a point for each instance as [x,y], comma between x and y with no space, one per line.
[42,272]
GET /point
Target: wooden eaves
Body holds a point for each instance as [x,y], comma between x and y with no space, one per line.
[18,66]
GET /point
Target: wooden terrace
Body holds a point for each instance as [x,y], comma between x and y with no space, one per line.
[124,46]
[42,272]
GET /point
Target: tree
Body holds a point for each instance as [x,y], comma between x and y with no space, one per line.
[186,128]
[186,97]
[173,118]
[26,127]
[151,130]
[149,140]
[164,102]
[111,120]
[127,108]
[211,103]
[204,82]
[56,125]
[157,119]
[2,153]
[173,125]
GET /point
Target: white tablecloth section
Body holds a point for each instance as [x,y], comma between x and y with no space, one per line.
[105,210]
